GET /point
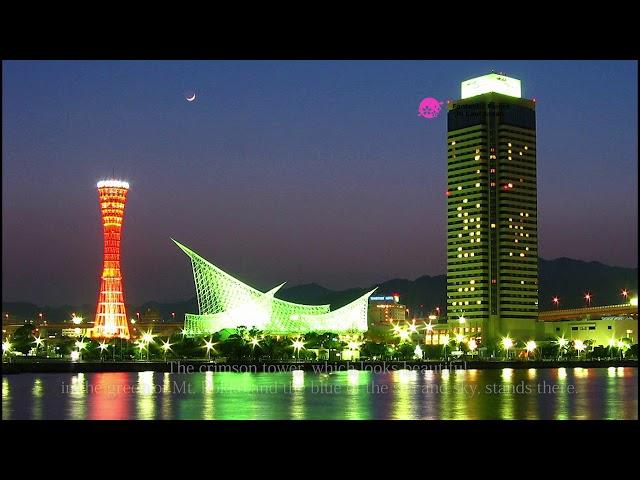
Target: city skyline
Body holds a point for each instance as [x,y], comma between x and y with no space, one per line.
[338,175]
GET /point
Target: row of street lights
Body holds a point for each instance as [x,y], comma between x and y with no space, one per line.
[588,296]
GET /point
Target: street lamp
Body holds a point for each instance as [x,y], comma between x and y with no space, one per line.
[102,346]
[166,347]
[298,345]
[530,346]
[80,345]
[562,344]
[473,345]
[38,341]
[208,344]
[507,343]
[579,346]
[624,293]
[556,301]
[587,297]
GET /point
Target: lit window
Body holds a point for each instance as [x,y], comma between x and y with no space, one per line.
[477,171]
[521,282]
[465,227]
[459,249]
[509,150]
[477,205]
[472,254]
[460,289]
[453,143]
[526,215]
[465,220]
[454,303]
[511,254]
[510,226]
[493,225]
[478,302]
[472,289]
[471,234]
[466,289]
[477,157]
[459,208]
[522,254]
[527,249]
[477,184]
[466,214]
[508,158]
[464,201]
[460,188]
[472,220]
[526,148]
[477,150]
[459,235]
[520,153]
[459,215]
[472,282]
[459,255]
[478,226]
[472,240]
[509,144]
[466,255]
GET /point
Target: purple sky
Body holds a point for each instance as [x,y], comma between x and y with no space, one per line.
[309,171]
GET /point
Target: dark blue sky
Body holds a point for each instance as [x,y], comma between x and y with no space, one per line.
[287,171]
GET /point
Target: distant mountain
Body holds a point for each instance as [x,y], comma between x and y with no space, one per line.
[568,279]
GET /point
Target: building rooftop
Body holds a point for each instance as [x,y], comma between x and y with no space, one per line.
[493,82]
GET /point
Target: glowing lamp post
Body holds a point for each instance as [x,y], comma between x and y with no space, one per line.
[102,346]
[579,346]
[624,294]
[556,302]
[208,344]
[563,343]
[587,298]
[473,345]
[297,346]
[507,344]
[166,348]
[38,341]
[531,347]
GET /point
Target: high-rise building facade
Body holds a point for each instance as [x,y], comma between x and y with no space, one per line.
[492,235]
[111,316]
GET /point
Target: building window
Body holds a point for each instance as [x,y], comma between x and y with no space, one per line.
[574,328]
[608,327]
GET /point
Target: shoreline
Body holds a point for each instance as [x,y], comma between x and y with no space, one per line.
[194,366]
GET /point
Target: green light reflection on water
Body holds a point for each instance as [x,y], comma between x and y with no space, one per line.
[165,408]
[6,399]
[208,402]
[37,392]
[297,410]
[78,397]
[145,399]
[507,400]
[404,381]
[562,397]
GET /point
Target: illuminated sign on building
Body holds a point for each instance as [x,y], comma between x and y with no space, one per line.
[491,83]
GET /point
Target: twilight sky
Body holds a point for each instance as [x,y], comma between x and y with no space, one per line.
[297,171]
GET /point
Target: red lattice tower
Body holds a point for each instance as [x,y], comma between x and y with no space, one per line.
[111,316]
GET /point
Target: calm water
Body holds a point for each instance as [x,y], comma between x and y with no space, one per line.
[580,393]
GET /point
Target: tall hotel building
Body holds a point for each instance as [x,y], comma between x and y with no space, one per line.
[492,234]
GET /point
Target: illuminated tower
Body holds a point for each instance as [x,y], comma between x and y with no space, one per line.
[111,316]
[492,234]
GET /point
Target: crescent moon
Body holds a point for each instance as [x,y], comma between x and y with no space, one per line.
[192,98]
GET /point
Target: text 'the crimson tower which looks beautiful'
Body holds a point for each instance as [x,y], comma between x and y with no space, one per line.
[111,315]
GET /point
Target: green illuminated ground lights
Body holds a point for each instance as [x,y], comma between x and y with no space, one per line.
[225,302]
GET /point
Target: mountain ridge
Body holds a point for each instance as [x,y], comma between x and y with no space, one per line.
[567,278]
